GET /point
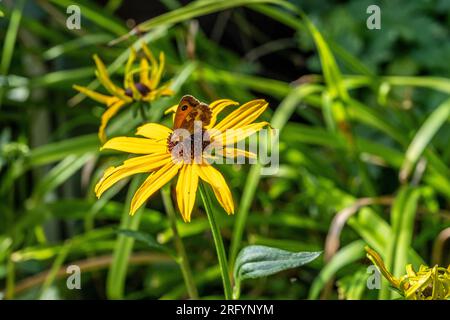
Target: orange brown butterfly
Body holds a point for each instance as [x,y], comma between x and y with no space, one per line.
[190,110]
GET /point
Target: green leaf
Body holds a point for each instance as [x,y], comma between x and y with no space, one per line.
[97,16]
[261,261]
[423,137]
[146,238]
[403,215]
[10,41]
[196,9]
[58,175]
[59,150]
[76,44]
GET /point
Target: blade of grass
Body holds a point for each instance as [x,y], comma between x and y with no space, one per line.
[347,255]
[10,41]
[73,45]
[402,221]
[97,16]
[115,282]
[193,10]
[423,137]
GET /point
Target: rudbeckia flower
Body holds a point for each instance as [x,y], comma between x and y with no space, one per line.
[162,157]
[146,89]
[425,284]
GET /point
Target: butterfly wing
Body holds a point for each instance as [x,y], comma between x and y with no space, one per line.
[190,110]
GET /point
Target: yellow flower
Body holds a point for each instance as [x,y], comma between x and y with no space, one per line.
[425,284]
[161,158]
[146,89]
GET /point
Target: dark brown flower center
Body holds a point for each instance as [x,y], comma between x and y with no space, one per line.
[140,87]
[191,146]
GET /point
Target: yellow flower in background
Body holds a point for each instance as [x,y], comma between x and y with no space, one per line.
[147,89]
[425,284]
[159,156]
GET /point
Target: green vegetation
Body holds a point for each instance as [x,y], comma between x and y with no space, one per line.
[364,150]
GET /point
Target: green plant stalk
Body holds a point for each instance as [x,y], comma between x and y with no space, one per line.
[115,283]
[182,256]
[217,242]
[252,181]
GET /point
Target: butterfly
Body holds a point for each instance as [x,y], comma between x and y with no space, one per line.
[190,110]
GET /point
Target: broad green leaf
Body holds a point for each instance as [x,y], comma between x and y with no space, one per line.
[261,261]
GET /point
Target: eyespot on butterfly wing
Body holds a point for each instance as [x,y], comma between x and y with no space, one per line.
[190,110]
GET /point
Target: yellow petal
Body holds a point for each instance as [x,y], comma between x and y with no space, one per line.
[103,77]
[165,90]
[131,166]
[232,136]
[156,93]
[186,190]
[153,63]
[128,79]
[410,271]
[148,54]
[156,77]
[154,131]
[153,183]
[218,184]
[244,115]
[135,145]
[172,109]
[104,99]
[106,116]
[418,286]
[217,107]
[144,72]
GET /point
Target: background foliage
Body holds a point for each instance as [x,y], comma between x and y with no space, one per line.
[364,144]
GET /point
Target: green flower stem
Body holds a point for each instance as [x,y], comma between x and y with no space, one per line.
[183,259]
[115,282]
[217,242]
